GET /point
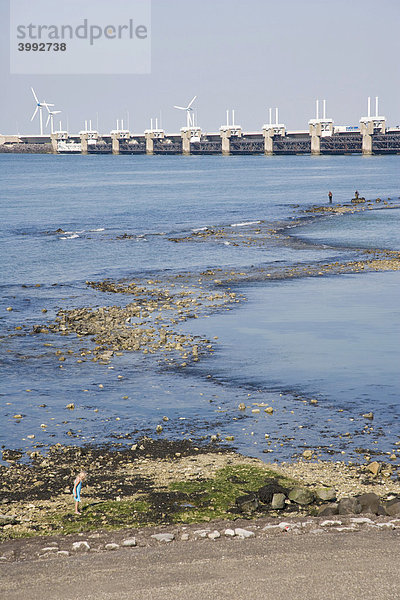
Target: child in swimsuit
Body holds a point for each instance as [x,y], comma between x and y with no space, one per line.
[77,490]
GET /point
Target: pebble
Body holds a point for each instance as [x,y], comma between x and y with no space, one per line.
[214,535]
[184,537]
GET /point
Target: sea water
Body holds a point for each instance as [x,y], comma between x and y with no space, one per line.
[330,339]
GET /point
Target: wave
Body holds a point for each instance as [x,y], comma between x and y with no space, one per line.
[245,223]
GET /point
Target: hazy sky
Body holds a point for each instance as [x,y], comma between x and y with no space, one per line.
[246,55]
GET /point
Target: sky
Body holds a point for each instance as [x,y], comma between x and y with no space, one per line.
[243,54]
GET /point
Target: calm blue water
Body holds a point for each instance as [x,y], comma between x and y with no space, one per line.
[331,338]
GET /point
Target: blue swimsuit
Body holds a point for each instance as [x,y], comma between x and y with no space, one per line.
[77,498]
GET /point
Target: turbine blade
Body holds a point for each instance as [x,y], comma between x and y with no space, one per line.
[180,107]
[34,95]
[56,112]
[48,119]
[34,114]
[191,102]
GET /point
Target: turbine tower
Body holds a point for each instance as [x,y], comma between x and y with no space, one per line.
[39,107]
[51,117]
[189,113]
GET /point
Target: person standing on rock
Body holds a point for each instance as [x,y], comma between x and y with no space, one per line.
[77,490]
[330,195]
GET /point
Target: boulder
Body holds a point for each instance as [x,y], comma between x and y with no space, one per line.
[326,494]
[328,510]
[349,506]
[392,507]
[370,503]
[278,501]
[266,493]
[301,496]
[248,503]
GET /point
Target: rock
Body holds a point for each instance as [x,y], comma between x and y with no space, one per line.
[369,416]
[159,428]
[49,549]
[214,535]
[349,506]
[11,455]
[80,547]
[243,533]
[374,468]
[325,494]
[7,520]
[62,553]
[129,542]
[163,537]
[361,521]
[70,406]
[301,496]
[202,533]
[242,406]
[392,507]
[266,493]
[278,501]
[269,410]
[229,533]
[9,308]
[369,503]
[307,454]
[248,503]
[111,546]
[184,537]
[328,510]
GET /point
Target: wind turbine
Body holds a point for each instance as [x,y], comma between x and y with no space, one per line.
[39,107]
[51,117]
[189,113]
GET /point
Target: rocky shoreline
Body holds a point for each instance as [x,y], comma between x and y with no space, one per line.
[158,483]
